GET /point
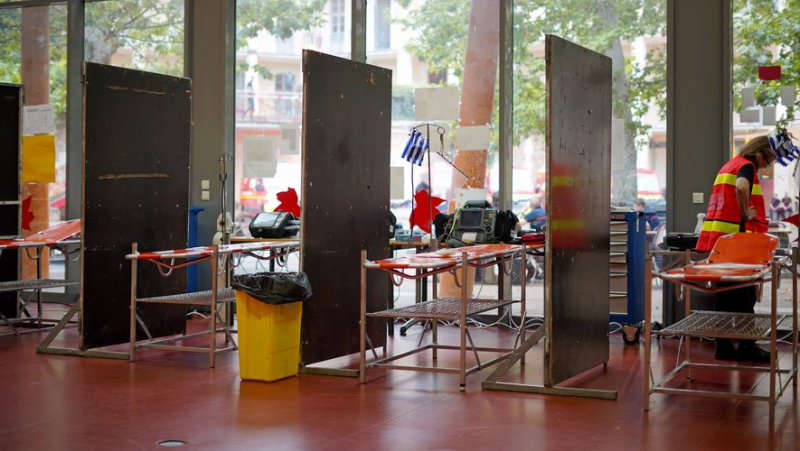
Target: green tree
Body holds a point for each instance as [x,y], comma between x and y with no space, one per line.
[601,25]
[279,18]
[151,30]
[765,36]
[11,52]
[10,57]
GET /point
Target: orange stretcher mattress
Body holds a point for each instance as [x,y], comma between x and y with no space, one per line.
[444,258]
[49,237]
[207,251]
[477,252]
[415,262]
[738,257]
[725,272]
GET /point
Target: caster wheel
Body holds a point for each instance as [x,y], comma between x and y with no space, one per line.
[630,335]
[655,326]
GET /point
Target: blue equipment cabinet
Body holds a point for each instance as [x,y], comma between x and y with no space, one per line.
[628,247]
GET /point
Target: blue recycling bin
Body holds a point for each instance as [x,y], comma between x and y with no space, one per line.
[191,271]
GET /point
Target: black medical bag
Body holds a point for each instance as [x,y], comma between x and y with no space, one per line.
[681,241]
[274,224]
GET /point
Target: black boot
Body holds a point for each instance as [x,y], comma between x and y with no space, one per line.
[749,352]
[725,350]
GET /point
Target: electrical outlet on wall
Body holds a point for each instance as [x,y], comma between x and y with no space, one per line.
[697,198]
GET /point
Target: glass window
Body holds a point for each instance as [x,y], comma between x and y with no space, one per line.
[37,35]
[337,22]
[48,25]
[382,24]
[138,34]
[269,87]
[633,35]
[761,37]
[11,58]
[426,47]
[285,45]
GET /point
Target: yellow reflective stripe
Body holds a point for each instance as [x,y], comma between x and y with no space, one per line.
[563,180]
[725,179]
[730,179]
[567,224]
[720,227]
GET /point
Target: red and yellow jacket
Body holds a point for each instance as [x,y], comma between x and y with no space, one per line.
[723,216]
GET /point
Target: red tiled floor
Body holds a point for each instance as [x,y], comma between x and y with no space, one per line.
[59,402]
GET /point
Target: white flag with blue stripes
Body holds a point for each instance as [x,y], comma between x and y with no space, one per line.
[416,146]
[781,143]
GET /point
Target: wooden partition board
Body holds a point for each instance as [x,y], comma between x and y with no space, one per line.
[135,189]
[578,193]
[11,97]
[345,200]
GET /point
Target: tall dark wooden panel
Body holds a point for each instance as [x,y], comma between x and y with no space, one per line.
[135,189]
[578,193]
[346,136]
[10,152]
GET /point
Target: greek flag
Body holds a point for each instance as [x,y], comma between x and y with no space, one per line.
[415,148]
[781,144]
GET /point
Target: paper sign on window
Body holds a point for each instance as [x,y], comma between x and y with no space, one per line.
[396,181]
[260,157]
[39,120]
[473,138]
[750,115]
[289,144]
[432,104]
[464,194]
[39,159]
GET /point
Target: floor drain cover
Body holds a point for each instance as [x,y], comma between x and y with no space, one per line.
[171,443]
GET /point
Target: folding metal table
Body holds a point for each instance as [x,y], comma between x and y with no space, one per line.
[61,236]
[455,261]
[739,260]
[220,257]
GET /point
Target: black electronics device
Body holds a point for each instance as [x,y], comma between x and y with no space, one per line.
[681,241]
[474,223]
[274,224]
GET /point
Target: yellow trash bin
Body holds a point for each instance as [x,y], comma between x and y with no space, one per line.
[269,338]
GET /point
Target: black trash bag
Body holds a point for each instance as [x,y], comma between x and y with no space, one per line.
[274,287]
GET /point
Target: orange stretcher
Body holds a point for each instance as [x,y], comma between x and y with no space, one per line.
[60,236]
[444,259]
[208,251]
[737,260]
[220,258]
[53,236]
[455,261]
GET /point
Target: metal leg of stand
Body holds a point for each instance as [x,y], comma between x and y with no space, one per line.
[421,295]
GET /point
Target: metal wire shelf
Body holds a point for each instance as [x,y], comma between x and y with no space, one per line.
[747,326]
[35,284]
[445,309]
[196,298]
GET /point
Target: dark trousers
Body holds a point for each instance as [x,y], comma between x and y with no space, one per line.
[741,300]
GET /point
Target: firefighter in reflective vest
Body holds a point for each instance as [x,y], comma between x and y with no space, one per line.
[737,205]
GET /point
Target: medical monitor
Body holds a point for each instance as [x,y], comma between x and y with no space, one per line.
[471,219]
